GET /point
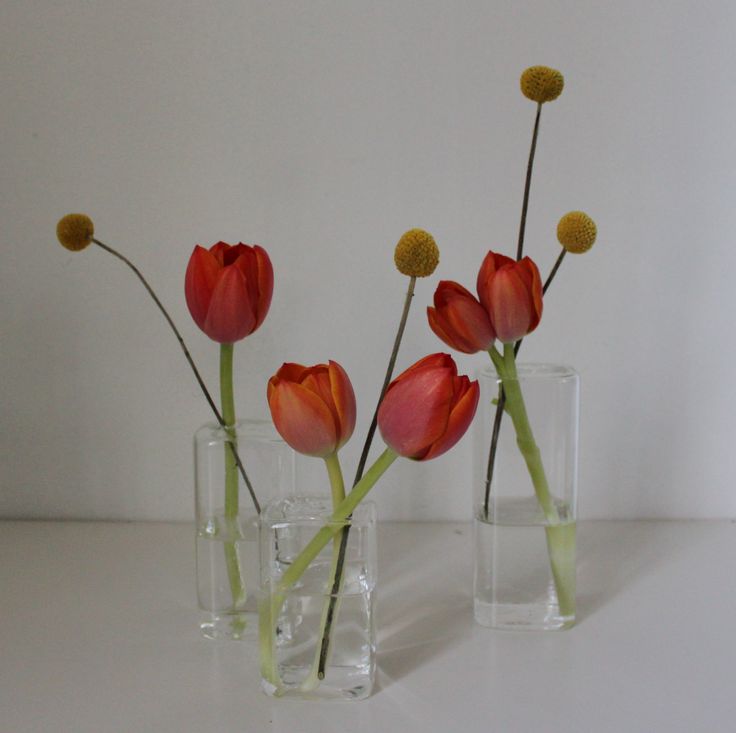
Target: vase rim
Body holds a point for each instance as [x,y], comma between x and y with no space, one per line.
[536,370]
[314,510]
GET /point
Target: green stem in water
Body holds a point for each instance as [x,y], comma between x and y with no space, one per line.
[560,535]
[235,578]
[334,582]
[271,605]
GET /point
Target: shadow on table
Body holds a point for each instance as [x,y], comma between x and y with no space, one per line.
[613,555]
[425,597]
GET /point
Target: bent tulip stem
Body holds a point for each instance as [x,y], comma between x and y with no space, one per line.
[560,536]
[336,522]
[189,359]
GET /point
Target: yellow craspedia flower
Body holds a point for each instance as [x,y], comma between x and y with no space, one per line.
[576,232]
[416,254]
[541,84]
[75,231]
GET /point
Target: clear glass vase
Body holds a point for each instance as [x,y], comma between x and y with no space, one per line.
[227,520]
[300,601]
[525,499]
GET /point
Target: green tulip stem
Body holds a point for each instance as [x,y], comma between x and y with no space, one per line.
[334,583]
[237,588]
[272,604]
[560,536]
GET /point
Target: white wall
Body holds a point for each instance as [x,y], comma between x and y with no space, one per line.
[323,130]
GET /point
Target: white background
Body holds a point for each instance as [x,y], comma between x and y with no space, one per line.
[322,131]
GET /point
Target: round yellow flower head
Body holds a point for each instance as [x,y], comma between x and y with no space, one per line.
[416,254]
[75,231]
[576,232]
[541,84]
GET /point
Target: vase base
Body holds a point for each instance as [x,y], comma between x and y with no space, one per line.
[324,691]
[521,616]
[230,626]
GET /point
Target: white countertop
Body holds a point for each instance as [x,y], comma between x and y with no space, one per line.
[98,633]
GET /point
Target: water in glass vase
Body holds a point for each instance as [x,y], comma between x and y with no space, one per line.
[227,576]
[524,566]
[349,671]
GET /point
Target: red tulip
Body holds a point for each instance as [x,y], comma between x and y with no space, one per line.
[459,319]
[427,409]
[511,293]
[313,408]
[228,290]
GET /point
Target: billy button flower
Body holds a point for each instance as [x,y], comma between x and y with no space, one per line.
[576,232]
[541,84]
[75,232]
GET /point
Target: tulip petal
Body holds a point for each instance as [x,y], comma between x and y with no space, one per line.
[466,318]
[344,400]
[492,262]
[441,328]
[510,305]
[219,250]
[461,416]
[431,361]
[289,372]
[230,316]
[265,283]
[302,419]
[199,283]
[415,410]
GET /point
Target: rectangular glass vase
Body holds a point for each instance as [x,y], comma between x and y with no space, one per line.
[298,657]
[525,505]
[227,527]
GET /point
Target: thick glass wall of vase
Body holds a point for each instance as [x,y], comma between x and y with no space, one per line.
[227,520]
[317,637]
[525,499]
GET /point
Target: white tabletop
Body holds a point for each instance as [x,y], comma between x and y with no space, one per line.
[98,633]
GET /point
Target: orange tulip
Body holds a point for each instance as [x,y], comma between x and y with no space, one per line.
[511,293]
[228,290]
[459,319]
[427,408]
[313,408]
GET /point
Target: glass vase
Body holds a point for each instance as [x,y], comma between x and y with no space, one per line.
[317,635]
[525,498]
[226,519]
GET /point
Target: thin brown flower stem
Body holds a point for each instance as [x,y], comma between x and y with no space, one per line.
[528,184]
[188,356]
[501,402]
[324,651]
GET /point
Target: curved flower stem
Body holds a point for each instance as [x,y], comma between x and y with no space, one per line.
[189,359]
[237,588]
[332,612]
[272,604]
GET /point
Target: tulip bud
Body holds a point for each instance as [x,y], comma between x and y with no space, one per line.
[427,408]
[511,293]
[228,290]
[576,232]
[541,84]
[416,254]
[75,231]
[313,408]
[459,319]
